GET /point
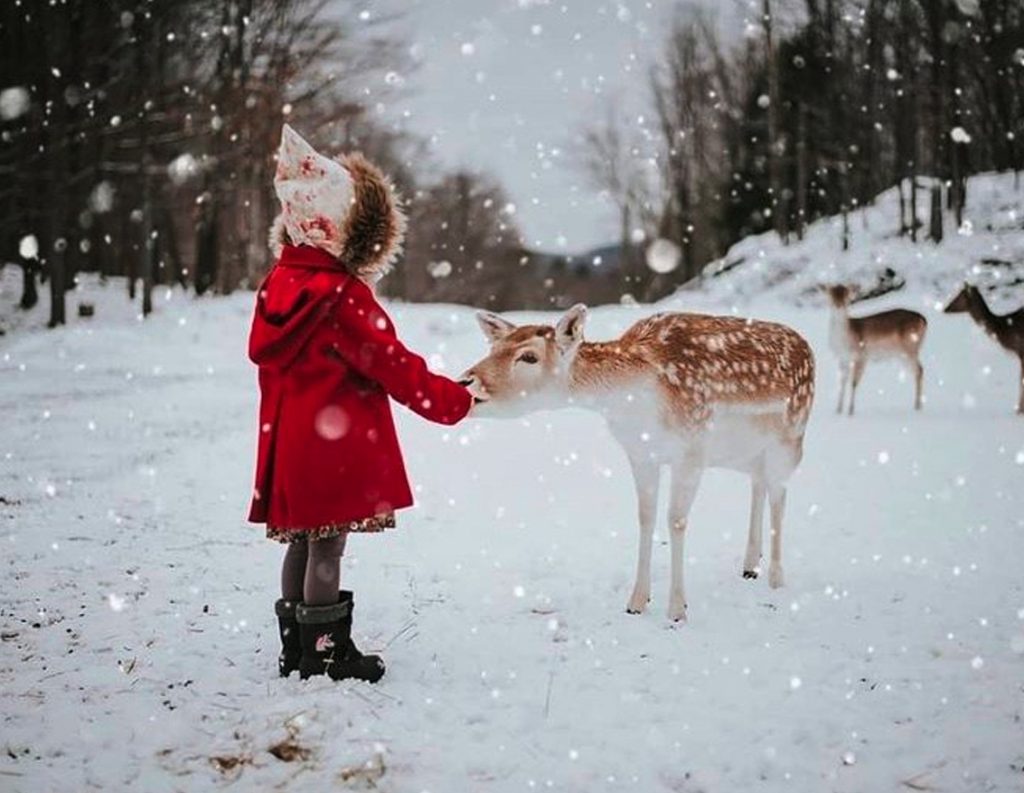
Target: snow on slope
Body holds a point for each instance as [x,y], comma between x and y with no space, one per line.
[987,249]
[136,614]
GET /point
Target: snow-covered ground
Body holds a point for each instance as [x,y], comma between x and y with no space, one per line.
[987,248]
[139,643]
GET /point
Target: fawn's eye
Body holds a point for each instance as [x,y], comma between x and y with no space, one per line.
[528,357]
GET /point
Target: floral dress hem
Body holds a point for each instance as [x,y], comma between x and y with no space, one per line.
[377,523]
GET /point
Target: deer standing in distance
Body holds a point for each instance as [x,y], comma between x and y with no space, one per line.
[1006,329]
[686,391]
[898,333]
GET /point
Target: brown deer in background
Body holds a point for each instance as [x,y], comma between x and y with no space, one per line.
[1007,329]
[856,340]
[685,391]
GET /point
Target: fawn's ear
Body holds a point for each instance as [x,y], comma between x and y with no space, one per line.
[569,330]
[495,327]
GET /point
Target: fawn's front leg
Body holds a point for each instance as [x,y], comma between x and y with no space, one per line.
[844,379]
[777,505]
[645,476]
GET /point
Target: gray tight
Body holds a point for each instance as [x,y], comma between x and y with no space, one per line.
[311,571]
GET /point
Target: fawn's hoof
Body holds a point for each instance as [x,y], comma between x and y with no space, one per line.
[750,573]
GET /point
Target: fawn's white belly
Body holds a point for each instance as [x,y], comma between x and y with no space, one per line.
[735,438]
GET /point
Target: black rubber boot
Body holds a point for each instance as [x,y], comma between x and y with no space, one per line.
[291,642]
[327,646]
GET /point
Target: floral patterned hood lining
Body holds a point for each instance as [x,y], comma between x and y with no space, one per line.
[345,207]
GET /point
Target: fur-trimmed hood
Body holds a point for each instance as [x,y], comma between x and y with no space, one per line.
[366,237]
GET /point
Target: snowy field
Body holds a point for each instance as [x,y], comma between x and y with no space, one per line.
[139,641]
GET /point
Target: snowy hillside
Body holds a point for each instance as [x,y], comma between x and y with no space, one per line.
[987,249]
[138,636]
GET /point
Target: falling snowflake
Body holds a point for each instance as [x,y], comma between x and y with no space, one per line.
[960,135]
[331,423]
[14,102]
[28,248]
[182,168]
[441,269]
[663,256]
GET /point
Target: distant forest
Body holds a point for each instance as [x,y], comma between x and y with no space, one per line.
[821,106]
[137,139]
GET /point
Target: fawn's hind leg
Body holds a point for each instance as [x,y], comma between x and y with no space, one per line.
[779,463]
[918,369]
[686,476]
[752,559]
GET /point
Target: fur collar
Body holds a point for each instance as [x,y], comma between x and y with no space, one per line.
[374,228]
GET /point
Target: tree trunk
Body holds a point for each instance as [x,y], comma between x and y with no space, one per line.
[56,148]
[55,264]
[935,225]
[801,170]
[169,248]
[870,173]
[780,222]
[629,268]
[905,121]
[913,206]
[844,197]
[29,290]
[903,207]
[206,243]
[142,48]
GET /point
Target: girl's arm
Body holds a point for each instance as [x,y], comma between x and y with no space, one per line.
[365,338]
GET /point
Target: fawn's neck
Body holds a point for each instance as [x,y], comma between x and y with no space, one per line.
[601,368]
[980,312]
[839,327]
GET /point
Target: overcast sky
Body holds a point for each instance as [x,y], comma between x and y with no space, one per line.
[503,85]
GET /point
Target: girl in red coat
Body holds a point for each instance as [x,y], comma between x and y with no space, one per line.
[329,462]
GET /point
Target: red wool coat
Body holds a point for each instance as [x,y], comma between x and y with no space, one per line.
[328,359]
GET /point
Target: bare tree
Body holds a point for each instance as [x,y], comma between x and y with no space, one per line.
[693,92]
[608,152]
[776,143]
[463,243]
